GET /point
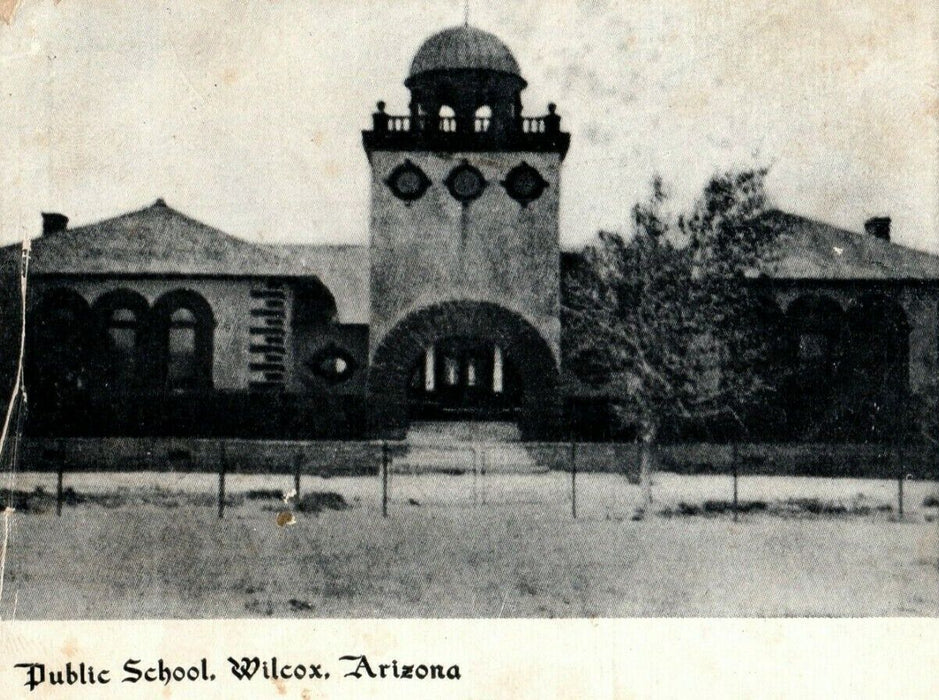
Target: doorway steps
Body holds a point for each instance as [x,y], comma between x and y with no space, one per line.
[465,446]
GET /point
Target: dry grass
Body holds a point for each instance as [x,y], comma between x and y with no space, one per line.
[456,546]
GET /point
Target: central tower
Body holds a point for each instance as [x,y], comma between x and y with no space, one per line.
[464,218]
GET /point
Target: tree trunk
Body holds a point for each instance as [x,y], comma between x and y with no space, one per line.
[647,465]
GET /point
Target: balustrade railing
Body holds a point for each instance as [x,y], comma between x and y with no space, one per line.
[485,128]
[447,125]
[399,123]
[533,125]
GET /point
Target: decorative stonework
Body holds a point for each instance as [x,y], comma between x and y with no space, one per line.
[332,363]
[524,184]
[465,183]
[268,332]
[408,182]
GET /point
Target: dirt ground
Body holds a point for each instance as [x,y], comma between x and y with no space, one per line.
[151,546]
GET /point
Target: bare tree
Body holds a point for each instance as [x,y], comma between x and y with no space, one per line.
[665,321]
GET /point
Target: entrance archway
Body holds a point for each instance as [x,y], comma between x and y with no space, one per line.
[469,360]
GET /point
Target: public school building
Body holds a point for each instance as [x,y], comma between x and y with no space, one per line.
[152,323]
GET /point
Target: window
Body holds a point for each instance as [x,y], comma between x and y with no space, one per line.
[471,379]
[122,316]
[184,327]
[181,366]
[813,347]
[451,371]
[60,347]
[332,363]
[465,183]
[524,184]
[483,119]
[407,182]
[447,119]
[122,339]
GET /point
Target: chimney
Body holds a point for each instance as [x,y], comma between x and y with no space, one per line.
[878,227]
[53,223]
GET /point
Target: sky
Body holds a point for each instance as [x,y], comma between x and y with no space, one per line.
[247,115]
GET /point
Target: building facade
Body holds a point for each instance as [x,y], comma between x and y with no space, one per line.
[152,323]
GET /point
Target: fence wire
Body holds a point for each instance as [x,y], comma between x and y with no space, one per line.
[577,480]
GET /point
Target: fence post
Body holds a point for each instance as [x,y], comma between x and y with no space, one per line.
[298,458]
[58,488]
[221,480]
[899,457]
[475,471]
[484,464]
[574,480]
[384,479]
[733,459]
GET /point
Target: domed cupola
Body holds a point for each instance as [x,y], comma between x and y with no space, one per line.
[465,96]
[468,79]
[463,48]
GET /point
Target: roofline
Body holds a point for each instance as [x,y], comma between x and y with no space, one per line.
[173,275]
[836,281]
[159,203]
[432,72]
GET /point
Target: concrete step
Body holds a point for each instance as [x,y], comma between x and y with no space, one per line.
[446,432]
[464,446]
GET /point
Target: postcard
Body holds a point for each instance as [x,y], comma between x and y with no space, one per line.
[408,348]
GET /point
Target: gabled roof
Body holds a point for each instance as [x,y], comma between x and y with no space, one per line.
[812,250]
[159,240]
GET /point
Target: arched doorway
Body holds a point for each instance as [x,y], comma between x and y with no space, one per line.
[466,360]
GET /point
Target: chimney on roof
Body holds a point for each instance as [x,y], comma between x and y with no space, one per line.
[53,223]
[878,227]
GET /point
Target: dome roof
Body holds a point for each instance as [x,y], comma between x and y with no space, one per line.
[464,47]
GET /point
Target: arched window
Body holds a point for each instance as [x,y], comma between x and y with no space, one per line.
[483,119]
[122,315]
[61,351]
[812,398]
[878,366]
[185,329]
[122,348]
[816,326]
[447,119]
[182,367]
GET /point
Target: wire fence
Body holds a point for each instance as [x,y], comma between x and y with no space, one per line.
[561,479]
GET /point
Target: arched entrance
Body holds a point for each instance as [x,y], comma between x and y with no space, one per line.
[465,360]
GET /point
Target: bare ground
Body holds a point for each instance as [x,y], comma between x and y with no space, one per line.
[151,546]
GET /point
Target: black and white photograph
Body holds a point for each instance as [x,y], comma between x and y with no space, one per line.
[461,309]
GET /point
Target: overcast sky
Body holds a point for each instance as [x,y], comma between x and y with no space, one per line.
[247,114]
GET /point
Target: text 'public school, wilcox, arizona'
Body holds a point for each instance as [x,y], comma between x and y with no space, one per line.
[152,323]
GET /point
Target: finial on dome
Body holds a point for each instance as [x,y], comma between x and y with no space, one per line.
[466,13]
